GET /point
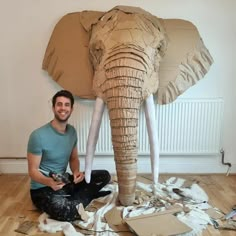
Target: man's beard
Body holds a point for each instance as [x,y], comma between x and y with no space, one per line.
[64,120]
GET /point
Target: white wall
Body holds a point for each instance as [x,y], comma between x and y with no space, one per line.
[26,90]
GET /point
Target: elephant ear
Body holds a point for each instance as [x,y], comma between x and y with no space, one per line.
[185,62]
[67,55]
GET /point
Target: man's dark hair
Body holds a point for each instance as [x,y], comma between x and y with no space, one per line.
[63,93]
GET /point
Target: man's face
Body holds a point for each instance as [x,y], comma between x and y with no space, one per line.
[62,109]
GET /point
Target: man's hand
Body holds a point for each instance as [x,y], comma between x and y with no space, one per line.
[78,176]
[55,185]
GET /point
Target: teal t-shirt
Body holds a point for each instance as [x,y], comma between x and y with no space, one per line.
[54,147]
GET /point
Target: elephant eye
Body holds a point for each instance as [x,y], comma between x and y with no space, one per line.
[96,51]
[109,18]
[156,26]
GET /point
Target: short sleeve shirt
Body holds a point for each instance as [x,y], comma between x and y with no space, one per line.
[55,148]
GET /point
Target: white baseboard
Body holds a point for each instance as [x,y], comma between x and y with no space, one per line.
[178,165]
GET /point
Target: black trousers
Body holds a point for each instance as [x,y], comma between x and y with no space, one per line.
[61,204]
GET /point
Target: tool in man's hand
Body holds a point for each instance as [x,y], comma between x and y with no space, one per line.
[57,177]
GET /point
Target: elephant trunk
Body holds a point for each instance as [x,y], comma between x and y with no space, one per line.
[123,91]
[124,122]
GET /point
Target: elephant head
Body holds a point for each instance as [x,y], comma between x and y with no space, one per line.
[122,58]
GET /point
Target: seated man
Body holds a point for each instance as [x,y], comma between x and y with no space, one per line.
[50,149]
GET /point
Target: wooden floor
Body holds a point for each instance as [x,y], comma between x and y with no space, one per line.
[16,206]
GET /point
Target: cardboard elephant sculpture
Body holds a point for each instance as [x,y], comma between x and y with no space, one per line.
[122,58]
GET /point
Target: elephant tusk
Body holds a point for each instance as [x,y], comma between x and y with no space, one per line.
[93,136]
[149,109]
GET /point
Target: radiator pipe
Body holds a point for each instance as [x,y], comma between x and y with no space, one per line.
[223,161]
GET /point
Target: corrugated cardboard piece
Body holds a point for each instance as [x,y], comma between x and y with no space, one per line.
[26,227]
[115,221]
[162,223]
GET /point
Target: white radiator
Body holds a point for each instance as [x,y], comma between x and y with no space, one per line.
[185,127]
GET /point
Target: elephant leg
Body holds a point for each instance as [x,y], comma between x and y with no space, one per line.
[93,136]
[149,109]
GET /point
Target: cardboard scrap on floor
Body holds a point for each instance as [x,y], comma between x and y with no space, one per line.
[164,224]
[26,227]
[161,223]
[31,228]
[95,205]
[115,221]
[214,213]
